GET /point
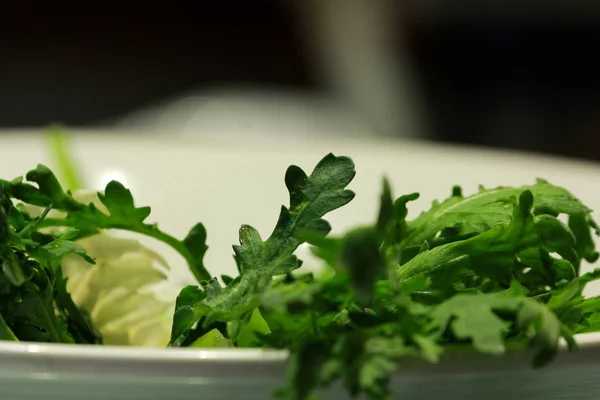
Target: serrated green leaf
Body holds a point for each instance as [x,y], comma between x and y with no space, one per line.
[34,303]
[119,203]
[195,243]
[500,239]
[488,208]
[474,317]
[311,197]
[60,248]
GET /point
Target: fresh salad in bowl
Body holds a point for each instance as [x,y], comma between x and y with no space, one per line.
[499,268]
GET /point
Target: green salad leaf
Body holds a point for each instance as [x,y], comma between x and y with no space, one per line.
[260,260]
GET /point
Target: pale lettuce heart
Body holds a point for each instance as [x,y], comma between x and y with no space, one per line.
[119,291]
[117,294]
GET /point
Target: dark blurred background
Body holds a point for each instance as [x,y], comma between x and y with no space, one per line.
[522,75]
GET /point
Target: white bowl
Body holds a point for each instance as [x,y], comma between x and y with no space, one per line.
[225,183]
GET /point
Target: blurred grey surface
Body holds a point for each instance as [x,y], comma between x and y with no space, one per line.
[521,75]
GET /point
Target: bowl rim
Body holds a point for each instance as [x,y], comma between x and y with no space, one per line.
[177,354]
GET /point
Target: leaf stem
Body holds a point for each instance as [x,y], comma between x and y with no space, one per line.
[57,141]
[199,272]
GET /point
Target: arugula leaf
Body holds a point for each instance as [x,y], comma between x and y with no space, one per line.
[488,208]
[311,197]
[500,239]
[525,242]
[577,313]
[474,317]
[121,213]
[34,303]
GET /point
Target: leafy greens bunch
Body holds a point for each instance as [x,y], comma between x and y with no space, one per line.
[482,270]
[496,267]
[34,302]
[36,305]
